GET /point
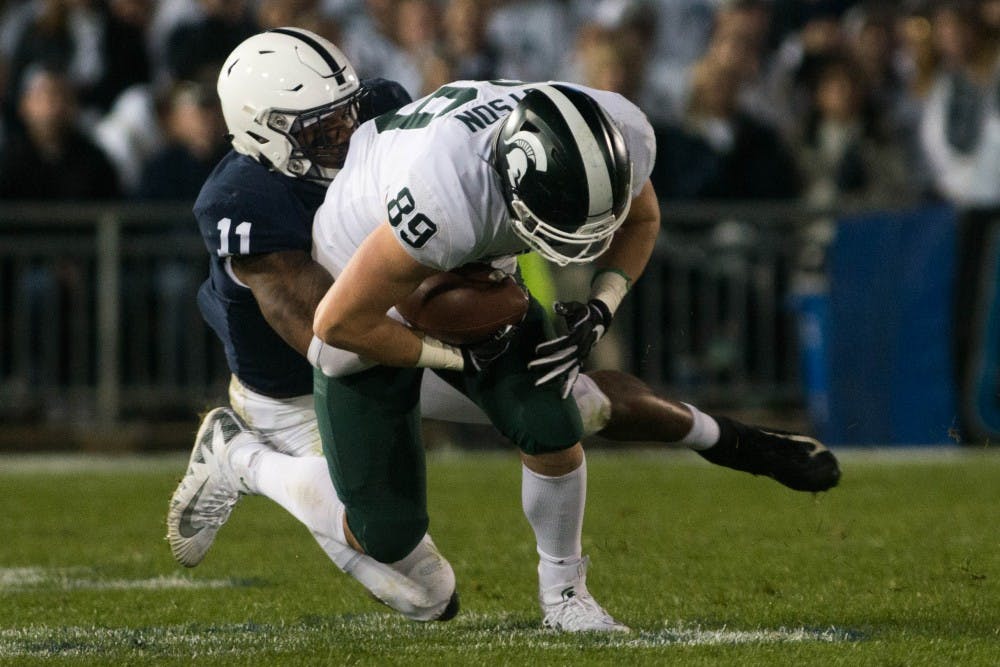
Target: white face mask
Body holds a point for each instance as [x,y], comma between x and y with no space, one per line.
[580,246]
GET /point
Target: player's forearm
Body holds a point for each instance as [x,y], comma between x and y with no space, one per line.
[287,287]
[366,332]
[633,244]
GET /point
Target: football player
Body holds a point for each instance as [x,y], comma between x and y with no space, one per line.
[481,172]
[291,102]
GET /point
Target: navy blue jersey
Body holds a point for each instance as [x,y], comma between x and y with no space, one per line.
[244,208]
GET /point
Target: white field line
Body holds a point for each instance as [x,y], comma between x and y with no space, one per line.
[68,463]
[485,633]
[18,579]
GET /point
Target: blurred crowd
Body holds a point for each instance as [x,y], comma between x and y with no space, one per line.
[771,99]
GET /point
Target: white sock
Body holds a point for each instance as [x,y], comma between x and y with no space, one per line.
[302,486]
[554,508]
[704,431]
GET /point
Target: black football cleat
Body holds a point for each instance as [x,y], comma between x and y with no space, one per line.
[797,461]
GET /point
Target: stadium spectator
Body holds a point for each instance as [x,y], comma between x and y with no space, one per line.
[50,158]
[130,133]
[845,148]
[63,34]
[718,150]
[307,14]
[190,115]
[875,44]
[195,141]
[124,55]
[680,29]
[960,133]
[792,72]
[370,41]
[468,52]
[199,45]
[418,33]
[530,37]
[960,130]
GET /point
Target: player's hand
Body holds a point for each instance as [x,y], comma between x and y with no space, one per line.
[560,359]
[479,356]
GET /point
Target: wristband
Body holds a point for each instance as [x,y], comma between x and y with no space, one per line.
[610,286]
[436,354]
[333,361]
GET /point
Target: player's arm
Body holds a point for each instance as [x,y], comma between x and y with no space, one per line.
[352,314]
[287,285]
[633,243]
[560,359]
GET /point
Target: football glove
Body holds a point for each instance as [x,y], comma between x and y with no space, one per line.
[478,356]
[561,359]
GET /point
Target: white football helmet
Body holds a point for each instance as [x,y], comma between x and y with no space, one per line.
[290,99]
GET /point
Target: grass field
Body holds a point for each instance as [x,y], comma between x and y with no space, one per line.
[900,565]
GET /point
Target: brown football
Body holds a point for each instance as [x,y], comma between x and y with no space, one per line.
[465,305]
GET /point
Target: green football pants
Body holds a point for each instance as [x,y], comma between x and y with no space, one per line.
[370,426]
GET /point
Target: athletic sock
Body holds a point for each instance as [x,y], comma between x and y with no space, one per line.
[704,431]
[554,507]
[302,486]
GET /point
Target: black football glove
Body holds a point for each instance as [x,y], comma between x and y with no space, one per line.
[561,358]
[478,356]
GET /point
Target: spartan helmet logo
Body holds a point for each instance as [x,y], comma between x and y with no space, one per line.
[524,149]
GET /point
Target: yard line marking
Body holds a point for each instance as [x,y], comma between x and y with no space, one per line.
[484,631]
[15,579]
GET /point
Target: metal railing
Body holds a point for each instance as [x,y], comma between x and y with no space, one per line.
[99,323]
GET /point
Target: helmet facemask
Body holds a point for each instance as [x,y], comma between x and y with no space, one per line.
[319,137]
[560,246]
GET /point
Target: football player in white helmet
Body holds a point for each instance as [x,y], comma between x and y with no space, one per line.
[291,102]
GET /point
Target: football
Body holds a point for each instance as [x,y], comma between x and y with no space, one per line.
[465,305]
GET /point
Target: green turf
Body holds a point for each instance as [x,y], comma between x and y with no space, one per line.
[900,565]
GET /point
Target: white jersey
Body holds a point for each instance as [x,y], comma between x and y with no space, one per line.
[426,169]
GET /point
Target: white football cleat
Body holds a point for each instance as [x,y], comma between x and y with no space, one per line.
[570,607]
[205,497]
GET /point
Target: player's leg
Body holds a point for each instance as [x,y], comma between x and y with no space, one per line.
[370,425]
[547,429]
[638,414]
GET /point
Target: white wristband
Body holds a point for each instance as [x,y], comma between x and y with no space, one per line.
[610,287]
[333,361]
[436,354]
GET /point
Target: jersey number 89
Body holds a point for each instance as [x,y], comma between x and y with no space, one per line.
[418,228]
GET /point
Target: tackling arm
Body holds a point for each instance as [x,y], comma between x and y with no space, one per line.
[287,285]
[352,314]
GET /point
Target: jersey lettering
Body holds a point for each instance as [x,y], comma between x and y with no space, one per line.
[484,115]
[242,231]
[418,228]
[419,117]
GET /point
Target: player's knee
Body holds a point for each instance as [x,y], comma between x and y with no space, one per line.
[593,404]
[389,539]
